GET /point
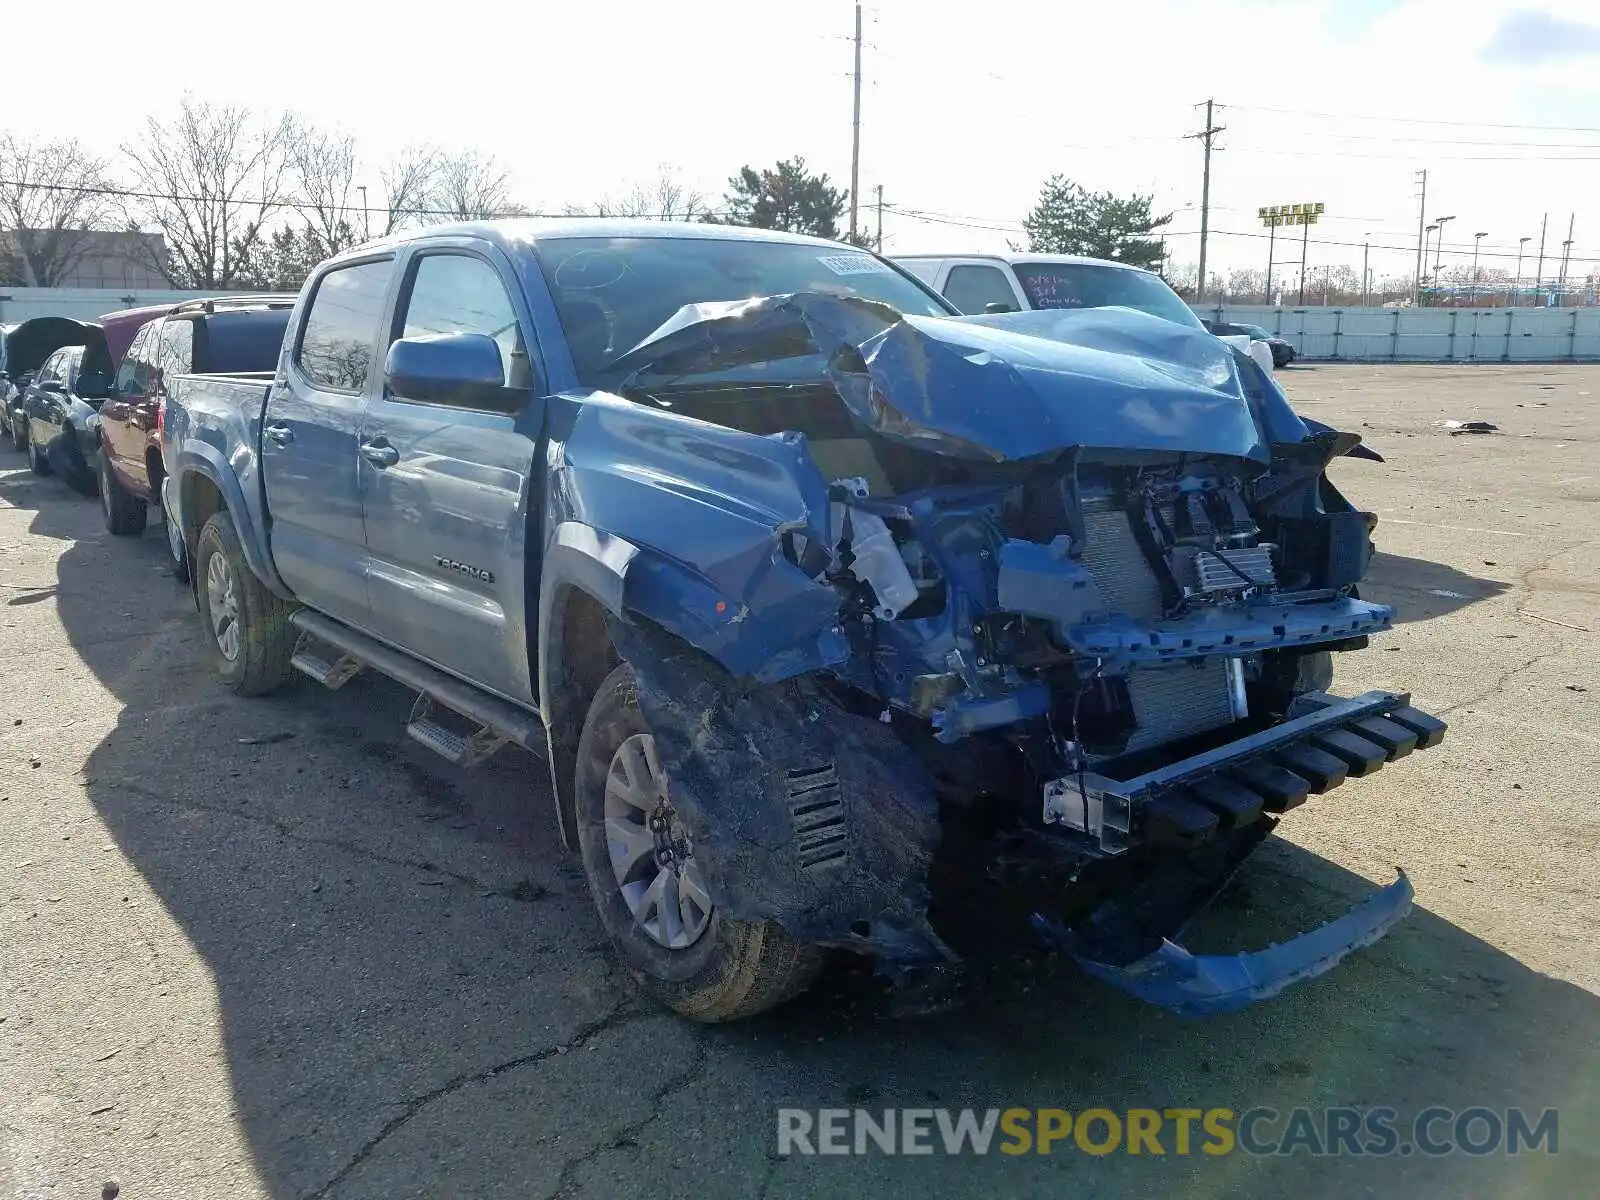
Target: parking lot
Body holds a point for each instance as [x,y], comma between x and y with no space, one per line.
[270,948]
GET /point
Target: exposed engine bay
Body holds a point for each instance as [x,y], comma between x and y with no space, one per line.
[1087,568]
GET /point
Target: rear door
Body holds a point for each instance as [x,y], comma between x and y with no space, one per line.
[446,490]
[308,440]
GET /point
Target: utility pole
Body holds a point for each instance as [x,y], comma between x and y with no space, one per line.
[1206,136]
[879,246]
[1477,240]
[1516,289]
[1438,250]
[1366,247]
[1305,242]
[1272,233]
[366,214]
[1422,207]
[1538,274]
[1566,249]
[855,132]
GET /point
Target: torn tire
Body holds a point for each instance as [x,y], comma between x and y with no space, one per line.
[734,968]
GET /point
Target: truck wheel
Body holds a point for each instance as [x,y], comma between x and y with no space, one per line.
[246,626]
[652,899]
[125,512]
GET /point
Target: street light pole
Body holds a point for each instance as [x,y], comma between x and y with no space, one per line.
[1516,290]
[1426,237]
[1477,240]
[1438,249]
[1366,247]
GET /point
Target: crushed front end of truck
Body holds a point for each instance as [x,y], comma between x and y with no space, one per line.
[990,626]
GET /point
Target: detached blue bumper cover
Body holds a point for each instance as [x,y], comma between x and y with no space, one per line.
[1200,984]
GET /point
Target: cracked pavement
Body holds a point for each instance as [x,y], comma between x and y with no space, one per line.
[271,949]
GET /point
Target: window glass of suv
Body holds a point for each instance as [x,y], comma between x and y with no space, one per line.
[1090,285]
[175,351]
[342,325]
[972,288]
[458,293]
[133,375]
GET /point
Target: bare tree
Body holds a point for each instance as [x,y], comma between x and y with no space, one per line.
[408,187]
[209,178]
[667,198]
[471,186]
[324,167]
[51,196]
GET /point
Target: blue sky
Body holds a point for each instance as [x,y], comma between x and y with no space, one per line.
[966,108]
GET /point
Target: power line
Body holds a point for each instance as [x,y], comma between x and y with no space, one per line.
[1300,112]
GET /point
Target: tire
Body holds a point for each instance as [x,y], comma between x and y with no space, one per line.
[263,639]
[37,462]
[126,514]
[734,968]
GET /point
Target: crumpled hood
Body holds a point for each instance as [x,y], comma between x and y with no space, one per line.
[1002,387]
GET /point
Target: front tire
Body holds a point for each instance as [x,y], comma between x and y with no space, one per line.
[660,919]
[125,513]
[245,626]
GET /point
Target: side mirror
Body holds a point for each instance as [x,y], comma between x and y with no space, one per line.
[998,306]
[461,369]
[54,386]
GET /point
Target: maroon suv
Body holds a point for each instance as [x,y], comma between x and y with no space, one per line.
[235,335]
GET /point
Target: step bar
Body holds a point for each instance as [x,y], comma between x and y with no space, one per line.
[1329,740]
[498,719]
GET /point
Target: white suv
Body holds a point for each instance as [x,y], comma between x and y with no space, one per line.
[988,283]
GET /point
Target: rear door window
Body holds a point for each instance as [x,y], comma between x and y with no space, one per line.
[972,288]
[242,342]
[175,352]
[342,325]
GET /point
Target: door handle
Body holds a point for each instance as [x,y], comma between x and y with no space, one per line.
[379,453]
[280,435]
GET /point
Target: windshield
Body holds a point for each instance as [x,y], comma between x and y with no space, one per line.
[612,292]
[1087,285]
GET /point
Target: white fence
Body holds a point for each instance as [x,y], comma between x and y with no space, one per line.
[1426,334]
[20,304]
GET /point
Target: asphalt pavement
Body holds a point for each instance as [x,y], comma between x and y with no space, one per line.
[269,948]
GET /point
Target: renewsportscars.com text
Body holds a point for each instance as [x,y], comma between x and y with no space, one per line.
[1317,1132]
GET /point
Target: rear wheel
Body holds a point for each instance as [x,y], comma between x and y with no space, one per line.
[125,513]
[652,898]
[245,625]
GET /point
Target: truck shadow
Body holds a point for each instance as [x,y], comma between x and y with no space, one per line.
[1421,590]
[415,997]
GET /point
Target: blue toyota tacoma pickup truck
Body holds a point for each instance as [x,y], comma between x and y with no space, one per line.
[841,621]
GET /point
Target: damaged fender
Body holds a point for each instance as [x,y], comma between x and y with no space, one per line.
[683,523]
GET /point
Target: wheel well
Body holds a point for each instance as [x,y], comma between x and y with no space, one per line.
[579,657]
[199,500]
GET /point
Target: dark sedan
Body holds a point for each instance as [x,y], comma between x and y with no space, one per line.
[1283,353]
[60,411]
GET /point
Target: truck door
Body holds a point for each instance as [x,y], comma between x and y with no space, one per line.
[445,489]
[308,441]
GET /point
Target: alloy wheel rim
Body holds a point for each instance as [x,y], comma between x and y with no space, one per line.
[222,601]
[649,851]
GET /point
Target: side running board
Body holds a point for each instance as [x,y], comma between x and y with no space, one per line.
[499,721]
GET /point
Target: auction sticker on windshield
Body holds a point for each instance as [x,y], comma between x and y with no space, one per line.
[853,264]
